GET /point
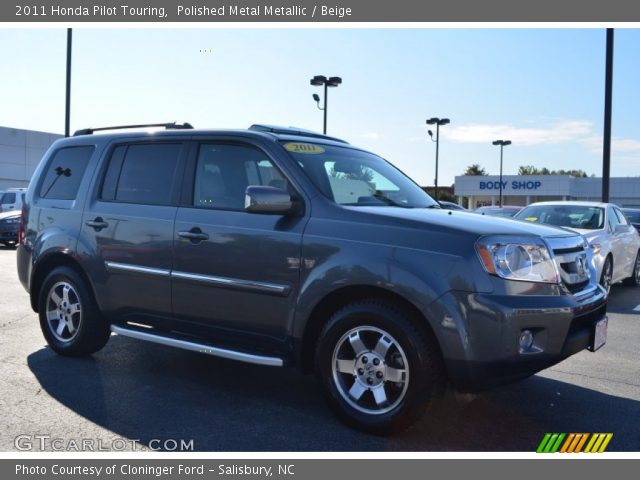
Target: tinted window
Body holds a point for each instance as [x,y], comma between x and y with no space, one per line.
[632,215]
[142,173]
[224,172]
[65,172]
[8,197]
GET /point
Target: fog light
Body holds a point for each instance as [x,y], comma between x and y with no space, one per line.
[525,342]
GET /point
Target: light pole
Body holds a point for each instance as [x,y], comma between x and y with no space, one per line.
[67,103]
[319,81]
[437,122]
[502,143]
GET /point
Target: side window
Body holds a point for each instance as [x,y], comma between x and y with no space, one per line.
[613,219]
[65,172]
[223,173]
[621,218]
[141,173]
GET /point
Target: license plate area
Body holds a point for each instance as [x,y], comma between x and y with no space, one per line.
[599,334]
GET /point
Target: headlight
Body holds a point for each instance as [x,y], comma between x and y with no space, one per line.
[596,247]
[10,221]
[524,259]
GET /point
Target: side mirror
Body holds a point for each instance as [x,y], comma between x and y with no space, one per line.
[621,229]
[267,200]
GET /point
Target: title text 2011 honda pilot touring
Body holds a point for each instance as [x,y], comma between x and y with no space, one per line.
[285,247]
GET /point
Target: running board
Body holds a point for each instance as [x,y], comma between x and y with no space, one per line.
[198,347]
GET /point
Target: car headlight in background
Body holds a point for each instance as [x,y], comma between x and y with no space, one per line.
[10,221]
[518,259]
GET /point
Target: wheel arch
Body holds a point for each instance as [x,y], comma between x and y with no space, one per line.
[47,264]
[340,297]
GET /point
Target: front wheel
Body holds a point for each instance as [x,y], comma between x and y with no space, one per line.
[634,279]
[69,317]
[607,275]
[379,369]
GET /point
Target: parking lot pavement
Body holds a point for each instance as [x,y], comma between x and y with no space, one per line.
[146,392]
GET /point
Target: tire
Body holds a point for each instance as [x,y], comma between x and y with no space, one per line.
[634,279]
[607,274]
[359,378]
[66,300]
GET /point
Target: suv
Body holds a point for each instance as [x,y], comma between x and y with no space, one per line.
[284,247]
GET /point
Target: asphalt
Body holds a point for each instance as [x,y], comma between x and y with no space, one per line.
[154,395]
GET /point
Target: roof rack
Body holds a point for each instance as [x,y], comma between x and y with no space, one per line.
[168,126]
[293,131]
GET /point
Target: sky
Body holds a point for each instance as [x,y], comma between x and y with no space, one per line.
[543,89]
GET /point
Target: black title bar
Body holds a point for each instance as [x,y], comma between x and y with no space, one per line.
[319,11]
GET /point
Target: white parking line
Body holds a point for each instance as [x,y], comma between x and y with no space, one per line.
[637,309]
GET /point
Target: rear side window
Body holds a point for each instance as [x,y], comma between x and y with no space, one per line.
[65,172]
[142,173]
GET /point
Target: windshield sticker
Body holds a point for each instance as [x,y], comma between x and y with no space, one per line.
[309,148]
[531,219]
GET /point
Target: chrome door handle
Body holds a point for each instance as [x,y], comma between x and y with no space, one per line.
[98,223]
[195,235]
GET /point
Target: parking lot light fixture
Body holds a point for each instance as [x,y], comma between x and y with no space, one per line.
[437,122]
[502,144]
[319,81]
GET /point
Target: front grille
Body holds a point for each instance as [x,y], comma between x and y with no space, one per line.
[571,259]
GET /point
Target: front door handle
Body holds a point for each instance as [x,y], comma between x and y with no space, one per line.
[195,235]
[98,224]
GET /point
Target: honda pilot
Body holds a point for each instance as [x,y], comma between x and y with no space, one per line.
[283,247]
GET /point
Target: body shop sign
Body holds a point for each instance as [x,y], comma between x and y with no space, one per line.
[515,185]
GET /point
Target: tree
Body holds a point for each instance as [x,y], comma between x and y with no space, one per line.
[475,170]
[531,170]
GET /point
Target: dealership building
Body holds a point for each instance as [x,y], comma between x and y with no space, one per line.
[525,189]
[20,152]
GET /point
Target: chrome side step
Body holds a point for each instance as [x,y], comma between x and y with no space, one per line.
[198,347]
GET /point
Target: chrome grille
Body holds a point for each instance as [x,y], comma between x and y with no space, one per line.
[571,259]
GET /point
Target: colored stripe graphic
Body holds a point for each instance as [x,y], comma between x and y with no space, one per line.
[574,443]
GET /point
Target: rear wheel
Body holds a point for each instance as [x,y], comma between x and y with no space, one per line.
[634,279]
[378,368]
[69,317]
[607,274]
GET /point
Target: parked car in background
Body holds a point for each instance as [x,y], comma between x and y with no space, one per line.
[450,206]
[497,211]
[9,226]
[633,215]
[615,243]
[12,199]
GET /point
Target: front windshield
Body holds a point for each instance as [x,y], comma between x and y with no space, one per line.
[355,178]
[571,216]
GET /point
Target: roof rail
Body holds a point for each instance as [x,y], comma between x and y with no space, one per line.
[168,126]
[293,131]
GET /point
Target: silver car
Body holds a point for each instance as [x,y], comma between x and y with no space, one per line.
[615,242]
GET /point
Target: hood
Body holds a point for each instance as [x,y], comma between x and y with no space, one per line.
[461,221]
[588,234]
[10,214]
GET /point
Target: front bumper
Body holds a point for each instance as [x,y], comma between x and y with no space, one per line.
[479,334]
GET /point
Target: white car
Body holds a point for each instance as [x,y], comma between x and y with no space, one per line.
[615,242]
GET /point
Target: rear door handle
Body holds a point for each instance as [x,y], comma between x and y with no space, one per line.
[195,235]
[98,224]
